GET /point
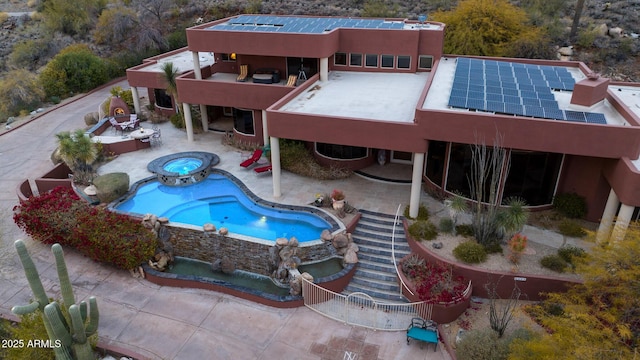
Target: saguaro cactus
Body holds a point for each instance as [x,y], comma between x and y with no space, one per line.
[73,339]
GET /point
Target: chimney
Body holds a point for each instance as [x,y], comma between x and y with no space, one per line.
[590,91]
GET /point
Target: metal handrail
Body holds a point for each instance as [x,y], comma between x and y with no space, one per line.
[393,251]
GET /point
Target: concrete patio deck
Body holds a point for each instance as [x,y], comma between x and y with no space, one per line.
[171,323]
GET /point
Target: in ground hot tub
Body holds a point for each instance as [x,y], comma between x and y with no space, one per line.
[183,168]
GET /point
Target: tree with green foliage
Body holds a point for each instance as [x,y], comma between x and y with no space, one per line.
[75,69]
[483,27]
[79,153]
[599,319]
[169,74]
[71,17]
[19,91]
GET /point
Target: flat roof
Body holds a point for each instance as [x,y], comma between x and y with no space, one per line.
[445,77]
[362,95]
[313,25]
[182,61]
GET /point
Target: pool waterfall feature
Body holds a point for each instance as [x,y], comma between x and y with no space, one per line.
[250,256]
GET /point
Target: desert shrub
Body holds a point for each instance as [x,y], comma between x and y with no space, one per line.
[177,120]
[111,186]
[423,229]
[30,54]
[554,262]
[28,329]
[571,228]
[465,230]
[482,345]
[435,282]
[75,69]
[570,205]
[446,225]
[423,213]
[470,252]
[59,216]
[412,262]
[570,253]
[295,157]
[91,118]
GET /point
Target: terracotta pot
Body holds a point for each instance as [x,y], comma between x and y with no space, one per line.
[337,204]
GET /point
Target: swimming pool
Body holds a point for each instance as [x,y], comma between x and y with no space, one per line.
[220,199]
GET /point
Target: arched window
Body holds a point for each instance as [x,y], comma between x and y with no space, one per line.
[163,99]
[243,121]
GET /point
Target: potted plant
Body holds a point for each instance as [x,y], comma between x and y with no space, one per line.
[337,199]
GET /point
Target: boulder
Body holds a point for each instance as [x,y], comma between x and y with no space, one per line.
[326,235]
[293,242]
[340,241]
[350,257]
[287,252]
[208,227]
[227,266]
[353,246]
[295,286]
[601,30]
[615,32]
[307,276]
[91,190]
[223,231]
[282,242]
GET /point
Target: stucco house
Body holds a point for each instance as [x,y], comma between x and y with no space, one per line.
[361,91]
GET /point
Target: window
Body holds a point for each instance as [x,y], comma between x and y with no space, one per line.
[243,121]
[340,58]
[228,57]
[533,176]
[459,173]
[371,60]
[355,60]
[227,111]
[387,61]
[404,62]
[435,161]
[425,62]
[163,99]
[342,152]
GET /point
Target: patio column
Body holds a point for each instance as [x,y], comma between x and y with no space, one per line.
[324,69]
[265,129]
[275,166]
[196,65]
[186,109]
[204,117]
[416,184]
[604,229]
[136,99]
[622,222]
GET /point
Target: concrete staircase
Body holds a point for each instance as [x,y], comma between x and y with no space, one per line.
[376,275]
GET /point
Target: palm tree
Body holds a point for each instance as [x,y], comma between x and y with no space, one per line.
[169,75]
[79,153]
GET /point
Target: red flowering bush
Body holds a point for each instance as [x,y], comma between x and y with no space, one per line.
[517,244]
[61,217]
[435,282]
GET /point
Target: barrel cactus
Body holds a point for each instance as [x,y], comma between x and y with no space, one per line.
[73,340]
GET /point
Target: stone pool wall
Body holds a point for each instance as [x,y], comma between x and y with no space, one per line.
[246,255]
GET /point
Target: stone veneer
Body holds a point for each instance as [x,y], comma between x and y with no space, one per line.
[247,255]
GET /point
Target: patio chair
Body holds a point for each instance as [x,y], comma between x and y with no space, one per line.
[292,80]
[253,159]
[244,72]
[117,126]
[262,169]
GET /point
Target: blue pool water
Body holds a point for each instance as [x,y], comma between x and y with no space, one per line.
[219,201]
[183,166]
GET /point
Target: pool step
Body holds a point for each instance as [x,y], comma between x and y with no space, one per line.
[376,274]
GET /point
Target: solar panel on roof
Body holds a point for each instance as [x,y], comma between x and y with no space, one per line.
[494,90]
[525,87]
[495,106]
[595,118]
[512,99]
[555,114]
[528,94]
[545,95]
[530,101]
[476,104]
[534,111]
[549,104]
[475,87]
[494,97]
[475,95]
[506,84]
[577,116]
[459,93]
[511,92]
[515,109]
[493,83]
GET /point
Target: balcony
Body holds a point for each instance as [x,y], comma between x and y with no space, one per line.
[222,89]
